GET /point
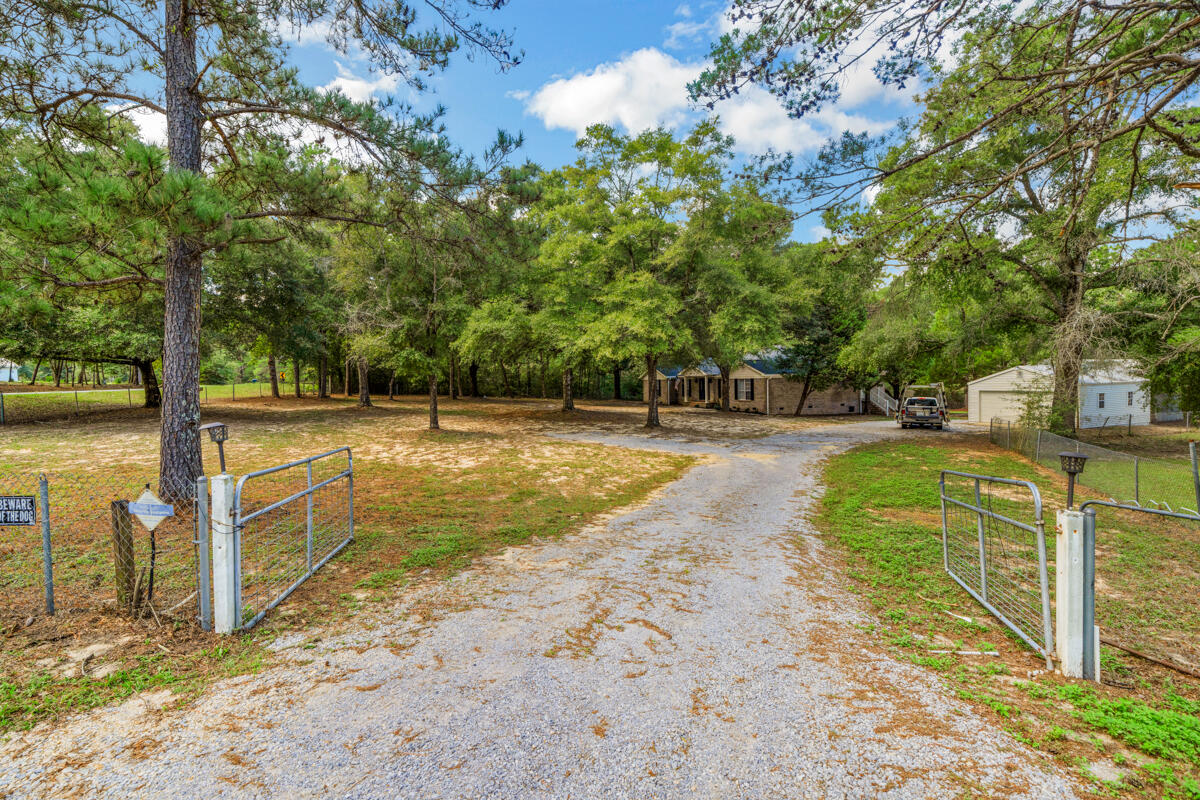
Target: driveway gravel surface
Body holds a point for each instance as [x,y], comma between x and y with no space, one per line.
[702,645]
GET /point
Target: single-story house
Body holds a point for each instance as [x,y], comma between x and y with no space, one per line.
[9,371]
[1110,393]
[760,383]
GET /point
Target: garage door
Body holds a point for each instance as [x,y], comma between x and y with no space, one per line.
[1002,405]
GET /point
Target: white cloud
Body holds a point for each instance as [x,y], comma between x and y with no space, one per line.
[151,125]
[358,88]
[649,87]
[757,122]
[681,34]
[314,33]
[644,89]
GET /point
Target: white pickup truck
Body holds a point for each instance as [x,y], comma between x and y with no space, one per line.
[923,405]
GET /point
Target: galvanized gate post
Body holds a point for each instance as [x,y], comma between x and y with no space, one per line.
[1091,634]
[225,560]
[1070,576]
[47,551]
[202,541]
[308,537]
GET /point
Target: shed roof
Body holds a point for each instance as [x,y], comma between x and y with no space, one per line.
[1094,372]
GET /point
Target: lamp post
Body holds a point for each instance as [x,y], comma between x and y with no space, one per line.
[218,433]
[1072,463]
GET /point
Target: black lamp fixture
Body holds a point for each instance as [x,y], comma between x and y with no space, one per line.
[218,433]
[1072,463]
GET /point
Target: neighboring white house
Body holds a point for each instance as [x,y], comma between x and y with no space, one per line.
[8,371]
[1110,393]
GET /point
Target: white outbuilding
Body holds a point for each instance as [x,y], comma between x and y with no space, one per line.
[1110,393]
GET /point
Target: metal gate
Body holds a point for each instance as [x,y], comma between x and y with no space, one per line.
[997,558]
[280,543]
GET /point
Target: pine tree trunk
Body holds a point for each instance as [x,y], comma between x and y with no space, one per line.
[323,377]
[296,377]
[474,370]
[364,386]
[726,388]
[145,369]
[57,366]
[453,375]
[568,398]
[433,403]
[392,387]
[273,368]
[617,382]
[347,387]
[179,449]
[36,368]
[652,408]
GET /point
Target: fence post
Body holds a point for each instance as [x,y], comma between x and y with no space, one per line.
[233,392]
[308,538]
[225,561]
[1037,452]
[76,401]
[1,408]
[1008,439]
[1137,481]
[203,535]
[1090,633]
[122,533]
[129,393]
[983,582]
[47,552]
[350,486]
[1069,579]
[1195,475]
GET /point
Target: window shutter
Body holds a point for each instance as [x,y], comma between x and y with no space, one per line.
[750,382]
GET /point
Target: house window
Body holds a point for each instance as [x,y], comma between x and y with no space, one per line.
[743,389]
[1129,402]
[1100,400]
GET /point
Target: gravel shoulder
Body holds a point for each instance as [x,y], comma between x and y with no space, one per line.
[698,646]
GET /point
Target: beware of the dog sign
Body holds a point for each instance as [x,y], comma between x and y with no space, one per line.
[18,510]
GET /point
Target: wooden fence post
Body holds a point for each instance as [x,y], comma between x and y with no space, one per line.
[122,532]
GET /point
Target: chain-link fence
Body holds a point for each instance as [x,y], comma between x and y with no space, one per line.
[18,407]
[81,546]
[289,521]
[1147,568]
[994,546]
[1124,478]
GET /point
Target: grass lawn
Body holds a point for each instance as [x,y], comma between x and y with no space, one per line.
[1138,738]
[427,504]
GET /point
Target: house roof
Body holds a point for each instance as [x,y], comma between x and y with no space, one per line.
[1094,372]
[706,367]
[769,362]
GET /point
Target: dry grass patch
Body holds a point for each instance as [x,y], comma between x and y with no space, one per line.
[427,504]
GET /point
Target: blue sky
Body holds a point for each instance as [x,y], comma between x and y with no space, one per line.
[621,62]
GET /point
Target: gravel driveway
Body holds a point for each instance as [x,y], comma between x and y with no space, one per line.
[698,647]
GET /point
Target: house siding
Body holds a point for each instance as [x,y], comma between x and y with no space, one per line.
[1116,406]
